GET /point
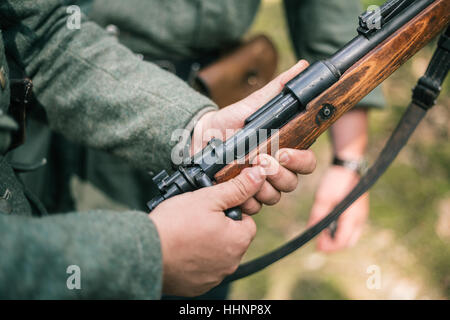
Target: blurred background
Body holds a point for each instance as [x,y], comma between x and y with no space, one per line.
[408,232]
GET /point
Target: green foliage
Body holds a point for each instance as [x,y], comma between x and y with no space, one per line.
[367,3]
[312,288]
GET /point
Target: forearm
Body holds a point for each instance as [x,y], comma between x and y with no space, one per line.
[349,135]
[94,90]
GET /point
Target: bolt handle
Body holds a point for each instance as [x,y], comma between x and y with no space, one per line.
[234,213]
[204,181]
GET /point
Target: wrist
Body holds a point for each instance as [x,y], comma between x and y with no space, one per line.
[204,123]
[165,265]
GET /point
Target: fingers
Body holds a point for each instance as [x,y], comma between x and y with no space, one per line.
[350,226]
[240,190]
[233,116]
[249,225]
[242,233]
[345,231]
[341,239]
[298,161]
[251,206]
[258,98]
[268,195]
[235,191]
[279,177]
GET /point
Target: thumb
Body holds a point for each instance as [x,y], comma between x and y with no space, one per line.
[263,95]
[236,191]
[233,116]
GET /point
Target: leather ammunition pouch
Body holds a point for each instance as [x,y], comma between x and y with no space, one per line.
[227,75]
[238,73]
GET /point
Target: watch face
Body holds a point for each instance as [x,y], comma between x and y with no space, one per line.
[359,166]
[352,165]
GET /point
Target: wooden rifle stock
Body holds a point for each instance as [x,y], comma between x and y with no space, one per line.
[302,131]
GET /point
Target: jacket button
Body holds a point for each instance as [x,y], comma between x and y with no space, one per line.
[5,205]
[2,78]
[113,30]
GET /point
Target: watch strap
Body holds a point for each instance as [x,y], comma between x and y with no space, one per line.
[359,166]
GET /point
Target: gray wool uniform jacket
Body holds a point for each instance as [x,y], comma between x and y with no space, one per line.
[180,29]
[96,92]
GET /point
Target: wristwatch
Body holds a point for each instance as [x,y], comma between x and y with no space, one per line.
[359,166]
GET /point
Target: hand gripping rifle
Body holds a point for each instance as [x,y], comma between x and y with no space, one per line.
[313,100]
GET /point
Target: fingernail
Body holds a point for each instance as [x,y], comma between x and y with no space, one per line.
[256,174]
[262,171]
[284,158]
[263,162]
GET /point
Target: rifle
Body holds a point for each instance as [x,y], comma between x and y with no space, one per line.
[313,100]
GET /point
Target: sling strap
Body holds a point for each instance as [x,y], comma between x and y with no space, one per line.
[424,97]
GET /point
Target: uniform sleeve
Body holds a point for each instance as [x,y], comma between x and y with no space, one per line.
[96,91]
[318,28]
[92,255]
